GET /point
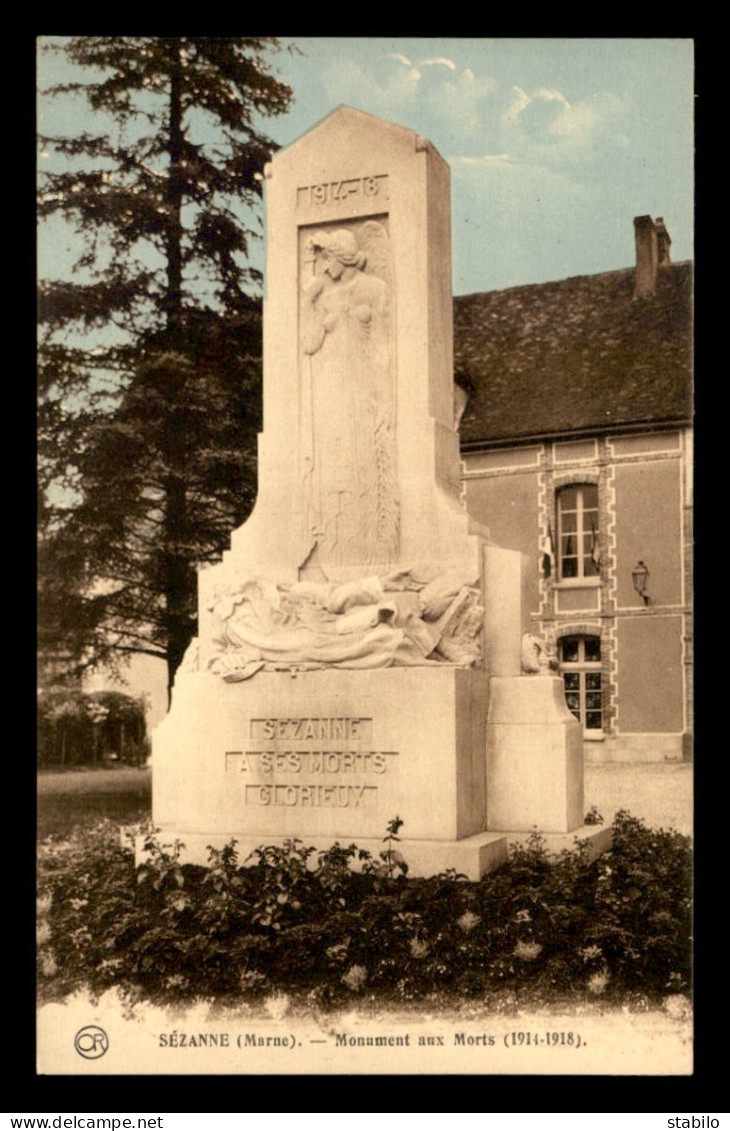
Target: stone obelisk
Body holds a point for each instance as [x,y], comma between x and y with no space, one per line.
[347,640]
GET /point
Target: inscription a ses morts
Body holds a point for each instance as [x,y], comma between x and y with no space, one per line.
[309,748]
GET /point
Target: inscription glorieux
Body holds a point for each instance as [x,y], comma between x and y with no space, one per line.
[313,796]
[275,759]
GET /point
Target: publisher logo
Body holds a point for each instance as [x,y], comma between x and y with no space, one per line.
[91,1042]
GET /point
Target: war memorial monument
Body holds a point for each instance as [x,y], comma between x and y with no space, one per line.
[360,652]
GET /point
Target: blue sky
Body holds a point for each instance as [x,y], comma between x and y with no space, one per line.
[554,144]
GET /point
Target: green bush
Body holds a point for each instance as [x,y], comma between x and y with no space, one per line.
[79,727]
[546,927]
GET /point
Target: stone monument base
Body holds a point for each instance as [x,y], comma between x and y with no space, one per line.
[596,840]
[534,757]
[472,857]
[325,755]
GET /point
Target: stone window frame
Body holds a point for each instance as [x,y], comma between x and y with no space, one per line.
[582,667]
[576,480]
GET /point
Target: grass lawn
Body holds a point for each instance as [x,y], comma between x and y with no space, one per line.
[79,798]
[659,794]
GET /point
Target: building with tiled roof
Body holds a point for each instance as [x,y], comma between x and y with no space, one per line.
[575,403]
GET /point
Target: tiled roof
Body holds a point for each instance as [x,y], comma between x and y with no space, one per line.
[576,356]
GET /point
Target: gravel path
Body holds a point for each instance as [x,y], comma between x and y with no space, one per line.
[122,780]
[659,793]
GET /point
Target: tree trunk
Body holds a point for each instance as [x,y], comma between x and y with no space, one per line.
[178,629]
[174,189]
[176,596]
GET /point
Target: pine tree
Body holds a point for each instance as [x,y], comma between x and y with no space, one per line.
[150,353]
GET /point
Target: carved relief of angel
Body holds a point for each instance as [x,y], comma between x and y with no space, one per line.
[349,443]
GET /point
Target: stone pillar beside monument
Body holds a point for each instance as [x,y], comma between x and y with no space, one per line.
[349,638]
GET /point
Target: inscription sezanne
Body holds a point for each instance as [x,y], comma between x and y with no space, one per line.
[304,730]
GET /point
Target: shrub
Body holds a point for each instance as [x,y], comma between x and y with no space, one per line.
[643,907]
[542,926]
[75,726]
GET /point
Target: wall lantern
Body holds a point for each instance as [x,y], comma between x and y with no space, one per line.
[640,576]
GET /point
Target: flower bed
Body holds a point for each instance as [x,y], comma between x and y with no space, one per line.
[296,922]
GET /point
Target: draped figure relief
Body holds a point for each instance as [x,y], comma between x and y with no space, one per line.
[348,397]
[412,617]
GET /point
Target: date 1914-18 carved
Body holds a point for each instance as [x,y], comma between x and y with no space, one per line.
[329,192]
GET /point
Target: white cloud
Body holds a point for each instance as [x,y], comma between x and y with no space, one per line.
[487,159]
[518,105]
[547,94]
[543,125]
[441,61]
[458,102]
[453,97]
[576,122]
[353,85]
[523,100]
